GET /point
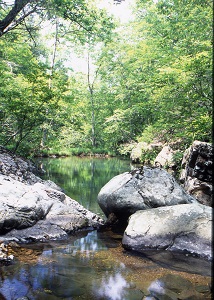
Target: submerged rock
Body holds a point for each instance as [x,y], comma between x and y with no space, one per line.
[183,228]
[171,287]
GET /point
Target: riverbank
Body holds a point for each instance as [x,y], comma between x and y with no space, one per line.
[81,152]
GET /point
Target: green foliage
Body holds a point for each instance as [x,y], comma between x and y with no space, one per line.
[148,156]
[148,135]
[81,18]
[163,75]
[24,94]
[125,149]
[84,20]
[28,104]
[151,80]
[177,158]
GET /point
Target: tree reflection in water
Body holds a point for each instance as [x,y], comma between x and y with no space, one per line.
[82,178]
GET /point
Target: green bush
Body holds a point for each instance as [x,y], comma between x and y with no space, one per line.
[148,156]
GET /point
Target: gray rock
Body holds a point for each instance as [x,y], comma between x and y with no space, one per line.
[21,205]
[17,168]
[196,175]
[22,170]
[185,228]
[141,189]
[38,212]
[32,209]
[165,158]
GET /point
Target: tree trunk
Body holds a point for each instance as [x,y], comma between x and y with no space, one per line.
[90,86]
[18,6]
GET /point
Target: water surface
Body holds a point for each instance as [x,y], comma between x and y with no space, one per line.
[82,178]
[89,265]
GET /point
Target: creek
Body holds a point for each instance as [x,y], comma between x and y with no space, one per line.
[92,264]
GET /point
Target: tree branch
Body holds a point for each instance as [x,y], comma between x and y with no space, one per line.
[18,6]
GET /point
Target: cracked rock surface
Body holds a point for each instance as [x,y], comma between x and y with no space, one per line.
[32,209]
[197,172]
[185,228]
[141,189]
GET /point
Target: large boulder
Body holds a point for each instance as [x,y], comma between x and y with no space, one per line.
[196,174]
[32,209]
[141,189]
[39,212]
[185,228]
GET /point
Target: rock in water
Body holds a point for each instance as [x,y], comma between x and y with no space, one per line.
[141,189]
[183,228]
[32,209]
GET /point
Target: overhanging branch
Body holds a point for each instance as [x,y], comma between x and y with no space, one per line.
[10,21]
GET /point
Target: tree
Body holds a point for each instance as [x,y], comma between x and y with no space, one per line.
[24,96]
[151,80]
[30,104]
[160,79]
[83,14]
[180,42]
[12,18]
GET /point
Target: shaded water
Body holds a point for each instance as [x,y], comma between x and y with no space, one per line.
[82,178]
[93,265]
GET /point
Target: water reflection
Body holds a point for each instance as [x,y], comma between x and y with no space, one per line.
[85,267]
[65,271]
[113,287]
[157,288]
[86,245]
[82,178]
